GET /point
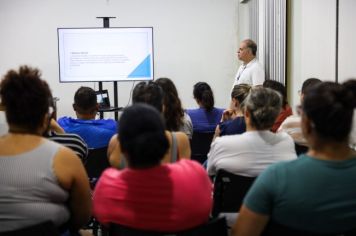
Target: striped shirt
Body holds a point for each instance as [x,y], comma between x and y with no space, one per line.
[72,141]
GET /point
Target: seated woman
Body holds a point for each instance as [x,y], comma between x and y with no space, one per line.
[40,179]
[233,121]
[151,93]
[175,117]
[206,117]
[149,195]
[248,154]
[316,192]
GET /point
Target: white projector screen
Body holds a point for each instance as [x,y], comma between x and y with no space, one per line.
[105,54]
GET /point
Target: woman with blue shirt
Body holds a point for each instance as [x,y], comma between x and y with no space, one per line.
[206,117]
[233,121]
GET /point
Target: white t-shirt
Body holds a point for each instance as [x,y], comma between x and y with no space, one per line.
[250,153]
[292,126]
[252,73]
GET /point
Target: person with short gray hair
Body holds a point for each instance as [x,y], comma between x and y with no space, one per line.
[248,154]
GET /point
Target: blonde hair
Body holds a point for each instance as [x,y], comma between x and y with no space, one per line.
[240,92]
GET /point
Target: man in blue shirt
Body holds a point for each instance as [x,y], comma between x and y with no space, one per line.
[96,133]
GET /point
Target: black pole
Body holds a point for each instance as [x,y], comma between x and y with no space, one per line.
[337,44]
[106,20]
[116,101]
[106,24]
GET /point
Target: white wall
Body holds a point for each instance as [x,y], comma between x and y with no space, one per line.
[194,40]
[313,41]
[347,39]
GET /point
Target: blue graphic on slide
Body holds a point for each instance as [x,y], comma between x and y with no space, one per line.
[143,69]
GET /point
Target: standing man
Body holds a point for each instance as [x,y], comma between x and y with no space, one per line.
[251,71]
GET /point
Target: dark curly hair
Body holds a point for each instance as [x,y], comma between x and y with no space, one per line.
[204,95]
[26,98]
[173,111]
[142,136]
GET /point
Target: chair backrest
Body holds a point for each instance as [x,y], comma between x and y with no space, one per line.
[229,191]
[97,162]
[274,228]
[200,146]
[215,227]
[42,229]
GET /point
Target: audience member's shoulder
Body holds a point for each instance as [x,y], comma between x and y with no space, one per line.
[290,122]
[190,165]
[111,173]
[180,135]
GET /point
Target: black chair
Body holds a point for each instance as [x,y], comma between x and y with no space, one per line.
[42,229]
[97,162]
[274,228]
[200,146]
[229,192]
[215,227]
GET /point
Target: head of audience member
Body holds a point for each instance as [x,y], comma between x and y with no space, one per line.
[262,107]
[142,136]
[308,83]
[172,106]
[150,93]
[26,98]
[327,114]
[351,86]
[238,96]
[85,103]
[247,51]
[204,95]
[279,87]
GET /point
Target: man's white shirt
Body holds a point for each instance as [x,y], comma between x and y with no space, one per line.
[252,74]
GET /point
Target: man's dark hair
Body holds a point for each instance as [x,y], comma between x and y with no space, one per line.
[330,108]
[251,45]
[142,136]
[26,98]
[279,87]
[85,101]
[149,93]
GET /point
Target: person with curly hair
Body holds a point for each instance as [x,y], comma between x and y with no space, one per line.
[175,117]
[40,180]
